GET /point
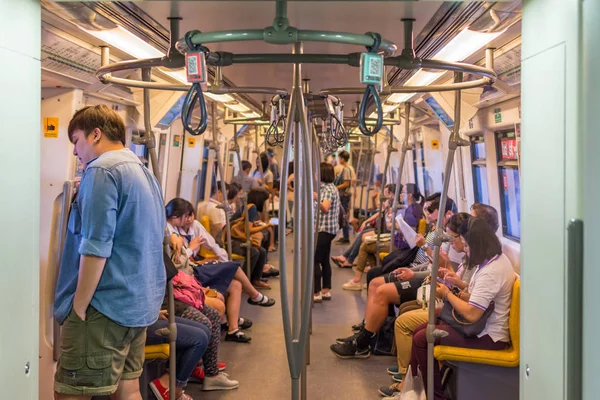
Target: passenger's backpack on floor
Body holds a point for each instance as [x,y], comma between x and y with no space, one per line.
[383,344]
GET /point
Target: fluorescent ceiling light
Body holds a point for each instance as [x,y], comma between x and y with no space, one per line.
[126,41]
[223,98]
[461,47]
[239,107]
[251,114]
[374,115]
[390,107]
[464,44]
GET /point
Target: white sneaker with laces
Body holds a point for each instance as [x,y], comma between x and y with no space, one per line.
[317,298]
[351,285]
[219,382]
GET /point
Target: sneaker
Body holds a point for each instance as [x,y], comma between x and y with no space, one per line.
[237,336]
[262,301]
[342,241]
[162,393]
[350,349]
[345,339]
[397,377]
[358,327]
[391,390]
[222,366]
[393,370]
[197,375]
[326,296]
[219,382]
[317,298]
[352,285]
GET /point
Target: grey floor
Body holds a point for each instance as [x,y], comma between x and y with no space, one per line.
[261,367]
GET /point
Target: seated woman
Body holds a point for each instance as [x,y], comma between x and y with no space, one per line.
[258,255]
[401,285]
[408,321]
[367,228]
[492,281]
[368,251]
[226,277]
[195,341]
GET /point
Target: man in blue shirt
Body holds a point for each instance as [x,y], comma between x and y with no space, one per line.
[112,276]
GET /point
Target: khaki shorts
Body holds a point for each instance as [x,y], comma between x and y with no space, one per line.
[96,354]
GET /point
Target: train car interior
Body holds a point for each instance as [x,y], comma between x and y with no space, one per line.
[312,176]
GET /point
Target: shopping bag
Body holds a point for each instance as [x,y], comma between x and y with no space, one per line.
[412,386]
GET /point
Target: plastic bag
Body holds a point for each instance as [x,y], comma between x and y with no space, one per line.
[412,387]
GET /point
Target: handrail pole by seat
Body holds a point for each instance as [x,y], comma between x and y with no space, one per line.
[371,171]
[172,339]
[149,140]
[363,181]
[360,153]
[217,149]
[381,217]
[67,195]
[453,142]
[405,147]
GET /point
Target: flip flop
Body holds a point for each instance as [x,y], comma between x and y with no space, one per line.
[337,262]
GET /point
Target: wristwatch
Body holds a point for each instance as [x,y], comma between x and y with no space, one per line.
[425,246]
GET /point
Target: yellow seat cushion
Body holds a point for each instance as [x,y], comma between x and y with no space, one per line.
[383,254]
[205,253]
[157,351]
[502,358]
[237,257]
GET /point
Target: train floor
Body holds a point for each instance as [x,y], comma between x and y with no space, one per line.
[261,367]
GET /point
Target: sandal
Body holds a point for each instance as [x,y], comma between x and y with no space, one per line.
[337,262]
[261,285]
[263,301]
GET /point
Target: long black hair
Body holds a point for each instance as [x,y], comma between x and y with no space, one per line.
[483,242]
[176,208]
[258,197]
[413,189]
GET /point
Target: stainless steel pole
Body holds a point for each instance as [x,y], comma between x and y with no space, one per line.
[215,146]
[381,217]
[453,143]
[405,148]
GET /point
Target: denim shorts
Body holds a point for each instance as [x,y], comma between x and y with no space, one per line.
[96,354]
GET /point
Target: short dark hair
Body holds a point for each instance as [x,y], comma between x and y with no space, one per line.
[233,191]
[106,120]
[276,184]
[483,242]
[176,208]
[344,154]
[327,174]
[456,221]
[217,187]
[246,165]
[435,205]
[488,213]
[412,188]
[258,196]
[190,208]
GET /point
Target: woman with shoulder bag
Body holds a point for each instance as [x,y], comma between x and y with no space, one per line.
[478,318]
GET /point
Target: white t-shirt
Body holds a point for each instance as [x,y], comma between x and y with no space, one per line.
[494,282]
[215,215]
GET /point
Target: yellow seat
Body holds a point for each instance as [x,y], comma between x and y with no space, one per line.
[237,257]
[205,253]
[383,254]
[501,358]
[157,352]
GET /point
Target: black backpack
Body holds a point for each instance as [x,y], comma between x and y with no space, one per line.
[383,343]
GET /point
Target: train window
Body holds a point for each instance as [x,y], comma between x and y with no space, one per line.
[510,185]
[480,182]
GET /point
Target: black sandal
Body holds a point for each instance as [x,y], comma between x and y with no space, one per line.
[263,302]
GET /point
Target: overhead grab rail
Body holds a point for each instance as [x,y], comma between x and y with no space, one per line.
[440,237]
[405,147]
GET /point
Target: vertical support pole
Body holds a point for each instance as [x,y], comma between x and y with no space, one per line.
[364,181]
[405,148]
[215,146]
[371,170]
[381,217]
[149,139]
[453,142]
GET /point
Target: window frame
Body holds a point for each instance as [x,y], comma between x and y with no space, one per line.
[503,165]
[476,163]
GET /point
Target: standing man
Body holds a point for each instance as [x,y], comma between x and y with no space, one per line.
[112,275]
[244,179]
[273,164]
[345,176]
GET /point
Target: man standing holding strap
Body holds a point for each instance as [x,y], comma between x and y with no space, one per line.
[112,276]
[345,176]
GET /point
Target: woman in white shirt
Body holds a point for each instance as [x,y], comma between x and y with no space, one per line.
[492,281]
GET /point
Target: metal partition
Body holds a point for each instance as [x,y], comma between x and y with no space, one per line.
[296,321]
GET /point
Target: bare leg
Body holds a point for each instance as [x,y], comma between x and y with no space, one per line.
[375,315]
[247,287]
[234,300]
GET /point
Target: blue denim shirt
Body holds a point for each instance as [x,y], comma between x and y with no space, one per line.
[118,214]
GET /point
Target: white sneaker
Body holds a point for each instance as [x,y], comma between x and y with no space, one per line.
[219,382]
[365,287]
[351,285]
[317,298]
[326,296]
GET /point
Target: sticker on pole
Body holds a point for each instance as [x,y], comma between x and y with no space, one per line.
[371,69]
[195,65]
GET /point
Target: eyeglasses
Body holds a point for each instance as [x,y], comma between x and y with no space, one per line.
[431,209]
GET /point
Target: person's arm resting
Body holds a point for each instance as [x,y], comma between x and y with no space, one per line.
[98,199]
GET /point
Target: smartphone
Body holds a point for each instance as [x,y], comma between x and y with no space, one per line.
[274,221]
[444,282]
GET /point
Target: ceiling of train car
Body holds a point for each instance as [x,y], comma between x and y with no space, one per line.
[354,16]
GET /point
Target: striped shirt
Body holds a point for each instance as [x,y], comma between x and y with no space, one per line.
[328,221]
